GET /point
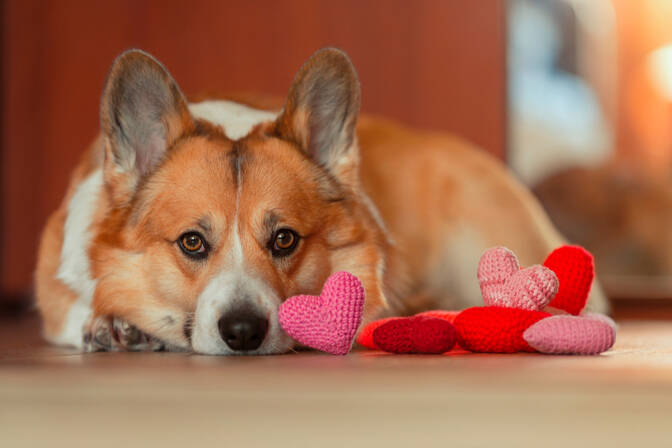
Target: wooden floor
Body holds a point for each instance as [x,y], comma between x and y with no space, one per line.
[52,397]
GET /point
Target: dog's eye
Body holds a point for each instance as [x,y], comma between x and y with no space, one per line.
[193,245]
[284,242]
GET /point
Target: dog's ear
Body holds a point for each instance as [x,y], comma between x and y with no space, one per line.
[142,113]
[322,108]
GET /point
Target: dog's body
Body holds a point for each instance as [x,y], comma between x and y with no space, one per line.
[193,224]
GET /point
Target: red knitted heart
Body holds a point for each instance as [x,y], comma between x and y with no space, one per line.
[365,336]
[416,334]
[575,269]
[493,329]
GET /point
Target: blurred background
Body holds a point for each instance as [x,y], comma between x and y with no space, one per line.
[590,130]
[575,95]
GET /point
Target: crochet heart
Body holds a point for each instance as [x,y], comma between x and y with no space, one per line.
[365,336]
[530,289]
[416,334]
[328,322]
[504,284]
[495,267]
[572,335]
[494,329]
[575,269]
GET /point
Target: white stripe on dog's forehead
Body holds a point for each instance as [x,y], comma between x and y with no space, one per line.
[237,120]
[238,257]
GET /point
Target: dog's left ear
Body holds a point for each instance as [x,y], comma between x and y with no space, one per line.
[322,108]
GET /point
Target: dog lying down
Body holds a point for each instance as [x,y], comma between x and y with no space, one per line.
[186,225]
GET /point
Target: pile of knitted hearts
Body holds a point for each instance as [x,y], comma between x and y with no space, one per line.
[512,319]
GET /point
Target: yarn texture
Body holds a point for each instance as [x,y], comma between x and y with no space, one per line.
[328,322]
[417,334]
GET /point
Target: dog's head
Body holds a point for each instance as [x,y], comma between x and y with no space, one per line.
[207,235]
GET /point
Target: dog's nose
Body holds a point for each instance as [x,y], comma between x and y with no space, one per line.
[243,330]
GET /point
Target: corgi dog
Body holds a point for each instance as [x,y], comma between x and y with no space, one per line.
[185,226]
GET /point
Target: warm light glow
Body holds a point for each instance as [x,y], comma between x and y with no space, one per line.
[659,68]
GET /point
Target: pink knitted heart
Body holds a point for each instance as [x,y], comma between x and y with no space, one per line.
[530,289]
[572,335]
[495,267]
[503,283]
[328,322]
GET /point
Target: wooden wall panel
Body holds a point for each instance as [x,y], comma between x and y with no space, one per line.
[430,63]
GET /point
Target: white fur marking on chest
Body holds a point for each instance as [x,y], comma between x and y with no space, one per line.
[74,270]
[236,119]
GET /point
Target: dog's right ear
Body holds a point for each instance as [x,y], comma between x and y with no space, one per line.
[142,113]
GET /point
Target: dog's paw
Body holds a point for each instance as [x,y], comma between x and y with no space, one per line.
[106,334]
[132,339]
[98,335]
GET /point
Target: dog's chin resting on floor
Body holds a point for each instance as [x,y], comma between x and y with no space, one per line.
[185,226]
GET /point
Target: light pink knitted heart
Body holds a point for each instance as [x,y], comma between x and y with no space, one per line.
[572,335]
[328,322]
[503,283]
[495,267]
[530,289]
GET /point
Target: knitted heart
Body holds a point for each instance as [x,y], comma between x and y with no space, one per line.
[416,334]
[365,336]
[328,322]
[493,329]
[572,335]
[503,283]
[530,289]
[575,269]
[495,267]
